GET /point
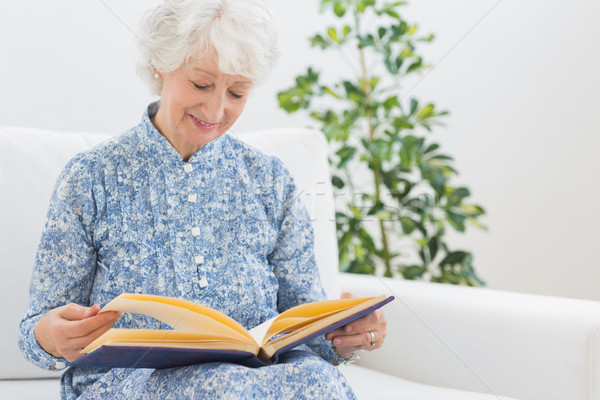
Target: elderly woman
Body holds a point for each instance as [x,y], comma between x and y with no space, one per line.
[175,206]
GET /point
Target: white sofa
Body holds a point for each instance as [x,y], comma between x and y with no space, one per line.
[443,342]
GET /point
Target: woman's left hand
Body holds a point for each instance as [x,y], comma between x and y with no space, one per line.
[366,333]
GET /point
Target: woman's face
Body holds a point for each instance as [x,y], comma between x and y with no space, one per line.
[198,104]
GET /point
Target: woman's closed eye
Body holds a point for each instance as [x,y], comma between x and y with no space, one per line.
[201,87]
[234,94]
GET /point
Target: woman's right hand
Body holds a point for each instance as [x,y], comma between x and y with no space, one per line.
[65,330]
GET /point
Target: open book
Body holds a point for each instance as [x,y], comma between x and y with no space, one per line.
[201,334]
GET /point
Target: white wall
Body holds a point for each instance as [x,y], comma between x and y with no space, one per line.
[524,91]
[520,79]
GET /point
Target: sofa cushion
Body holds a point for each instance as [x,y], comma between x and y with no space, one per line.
[30,389]
[369,384]
[30,161]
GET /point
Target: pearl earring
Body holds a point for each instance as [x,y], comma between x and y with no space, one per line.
[156,76]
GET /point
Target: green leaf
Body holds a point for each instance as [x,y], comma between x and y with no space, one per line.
[457,221]
[439,157]
[373,82]
[366,239]
[408,225]
[384,215]
[392,14]
[455,257]
[346,31]
[415,66]
[406,53]
[425,112]
[402,123]
[395,4]
[330,92]
[412,272]
[292,100]
[345,154]
[332,33]
[361,5]
[472,210]
[390,102]
[433,247]
[414,105]
[337,182]
[428,38]
[431,148]
[319,41]
[339,9]
[457,195]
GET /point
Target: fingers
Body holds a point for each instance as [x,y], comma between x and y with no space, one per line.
[65,330]
[370,322]
[82,328]
[363,324]
[357,334]
[360,340]
[75,312]
[72,348]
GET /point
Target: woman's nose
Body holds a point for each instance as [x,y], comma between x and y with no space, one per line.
[215,107]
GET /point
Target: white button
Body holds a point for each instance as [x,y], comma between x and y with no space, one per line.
[188,168]
[60,365]
[203,282]
[199,259]
[195,231]
[192,198]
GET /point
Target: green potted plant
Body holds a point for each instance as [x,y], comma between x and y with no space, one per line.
[397,222]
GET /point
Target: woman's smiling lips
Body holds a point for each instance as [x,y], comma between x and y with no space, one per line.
[205,126]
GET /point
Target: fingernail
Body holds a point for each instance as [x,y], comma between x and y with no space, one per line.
[337,342]
[348,328]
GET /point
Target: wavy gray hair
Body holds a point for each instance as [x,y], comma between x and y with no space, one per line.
[241,31]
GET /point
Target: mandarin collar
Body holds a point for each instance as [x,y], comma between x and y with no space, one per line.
[164,149]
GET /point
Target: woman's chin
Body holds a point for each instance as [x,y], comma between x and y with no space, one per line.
[200,139]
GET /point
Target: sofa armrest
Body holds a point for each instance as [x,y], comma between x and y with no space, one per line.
[525,346]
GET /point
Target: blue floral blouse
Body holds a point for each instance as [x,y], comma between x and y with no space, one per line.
[224,229]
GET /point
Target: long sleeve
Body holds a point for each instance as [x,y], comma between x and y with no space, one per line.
[294,261]
[65,261]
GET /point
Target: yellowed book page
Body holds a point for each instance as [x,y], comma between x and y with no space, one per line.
[229,346]
[306,314]
[179,314]
[271,347]
[168,338]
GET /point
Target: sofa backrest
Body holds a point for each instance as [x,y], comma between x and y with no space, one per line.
[30,161]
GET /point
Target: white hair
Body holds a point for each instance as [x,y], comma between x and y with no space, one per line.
[242,32]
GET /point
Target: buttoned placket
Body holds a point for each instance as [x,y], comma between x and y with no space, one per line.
[195,231]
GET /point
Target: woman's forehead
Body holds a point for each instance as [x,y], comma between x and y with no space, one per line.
[208,66]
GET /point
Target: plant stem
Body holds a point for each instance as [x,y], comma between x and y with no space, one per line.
[366,86]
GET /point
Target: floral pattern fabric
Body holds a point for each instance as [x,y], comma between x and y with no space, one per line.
[224,229]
